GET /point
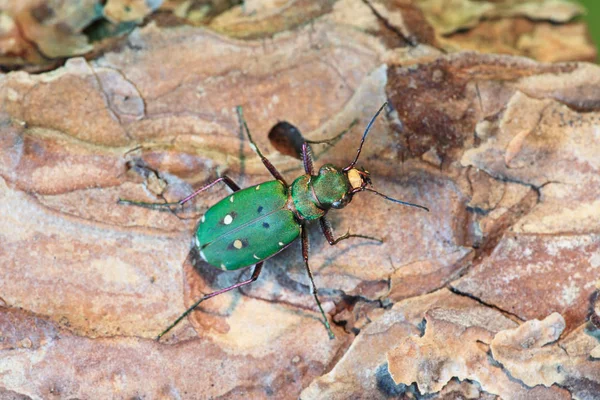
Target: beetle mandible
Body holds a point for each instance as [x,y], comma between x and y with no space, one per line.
[254,224]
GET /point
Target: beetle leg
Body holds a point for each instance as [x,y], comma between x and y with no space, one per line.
[254,277]
[328,232]
[266,162]
[307,159]
[232,185]
[312,281]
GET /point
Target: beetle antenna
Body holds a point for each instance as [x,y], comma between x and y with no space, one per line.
[396,200]
[349,167]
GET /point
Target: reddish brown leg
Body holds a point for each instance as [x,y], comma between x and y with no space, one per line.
[254,147]
[328,232]
[307,159]
[312,281]
[232,185]
[254,277]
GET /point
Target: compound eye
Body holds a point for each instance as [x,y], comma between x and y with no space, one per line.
[343,202]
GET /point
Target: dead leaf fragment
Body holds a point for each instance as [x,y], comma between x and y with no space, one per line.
[257,19]
[448,16]
[543,41]
[118,11]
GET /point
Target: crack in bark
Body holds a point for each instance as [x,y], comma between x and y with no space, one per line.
[409,39]
[107,101]
[508,314]
[138,91]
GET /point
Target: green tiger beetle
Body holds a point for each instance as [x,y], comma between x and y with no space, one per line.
[254,224]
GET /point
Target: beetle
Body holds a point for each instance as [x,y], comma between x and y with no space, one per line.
[254,224]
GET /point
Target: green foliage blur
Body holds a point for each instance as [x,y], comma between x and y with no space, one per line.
[593,19]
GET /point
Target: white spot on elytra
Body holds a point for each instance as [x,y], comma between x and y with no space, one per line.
[231,199]
[223,267]
[228,219]
[237,244]
[203,218]
[255,256]
[281,243]
[203,256]
[258,187]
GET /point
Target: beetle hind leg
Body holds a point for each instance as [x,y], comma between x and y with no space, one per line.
[227,180]
[254,277]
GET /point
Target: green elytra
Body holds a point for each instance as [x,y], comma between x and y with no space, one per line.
[254,224]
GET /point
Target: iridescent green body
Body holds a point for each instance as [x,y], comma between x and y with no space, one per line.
[253,224]
[258,222]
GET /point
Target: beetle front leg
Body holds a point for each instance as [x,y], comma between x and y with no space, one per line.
[328,232]
[253,146]
[254,277]
[312,281]
[227,180]
[307,159]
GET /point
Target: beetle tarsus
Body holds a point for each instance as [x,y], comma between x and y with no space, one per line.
[254,277]
[153,206]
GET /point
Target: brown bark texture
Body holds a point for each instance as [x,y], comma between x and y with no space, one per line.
[493,123]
